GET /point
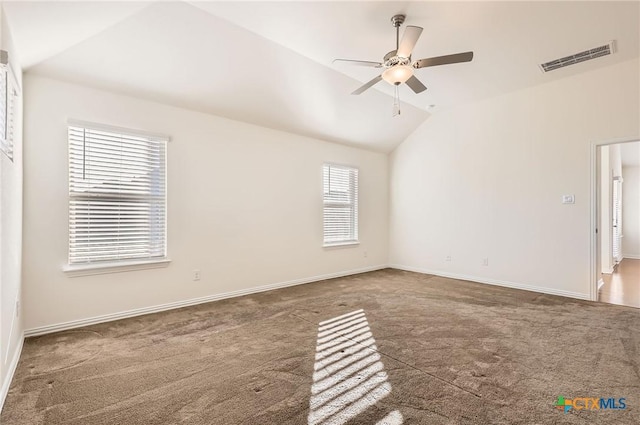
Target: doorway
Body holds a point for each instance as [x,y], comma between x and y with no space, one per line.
[616,220]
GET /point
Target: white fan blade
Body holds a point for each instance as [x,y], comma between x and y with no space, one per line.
[409,40]
[369,84]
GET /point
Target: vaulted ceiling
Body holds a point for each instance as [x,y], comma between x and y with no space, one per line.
[270,63]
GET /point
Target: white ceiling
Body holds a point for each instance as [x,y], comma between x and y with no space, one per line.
[178,54]
[509,39]
[44,29]
[269,63]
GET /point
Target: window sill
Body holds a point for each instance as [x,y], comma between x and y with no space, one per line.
[341,244]
[76,270]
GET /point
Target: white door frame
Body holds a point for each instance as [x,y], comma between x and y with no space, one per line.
[593,222]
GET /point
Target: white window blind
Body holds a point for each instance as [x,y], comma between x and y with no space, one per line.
[340,204]
[117,195]
[8,94]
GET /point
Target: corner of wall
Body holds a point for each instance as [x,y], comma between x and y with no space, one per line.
[11,190]
[10,371]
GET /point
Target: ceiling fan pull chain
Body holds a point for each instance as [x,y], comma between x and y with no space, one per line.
[396,102]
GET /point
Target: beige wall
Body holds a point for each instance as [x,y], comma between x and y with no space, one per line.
[244,206]
[486,180]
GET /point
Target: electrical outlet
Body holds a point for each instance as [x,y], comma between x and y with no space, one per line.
[448,258]
[364,254]
[196,275]
[485,261]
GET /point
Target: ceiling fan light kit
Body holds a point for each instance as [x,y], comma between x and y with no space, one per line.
[397,74]
[398,65]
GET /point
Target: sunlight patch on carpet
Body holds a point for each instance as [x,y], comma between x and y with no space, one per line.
[348,376]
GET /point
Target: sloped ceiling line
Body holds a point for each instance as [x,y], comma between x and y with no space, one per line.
[269,63]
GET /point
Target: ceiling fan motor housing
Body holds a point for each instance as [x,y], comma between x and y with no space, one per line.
[397,20]
[391,59]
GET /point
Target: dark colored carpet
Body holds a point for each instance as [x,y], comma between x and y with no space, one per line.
[424,350]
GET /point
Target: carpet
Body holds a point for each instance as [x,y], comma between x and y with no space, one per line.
[386,347]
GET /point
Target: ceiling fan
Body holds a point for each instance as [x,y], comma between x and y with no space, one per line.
[399,67]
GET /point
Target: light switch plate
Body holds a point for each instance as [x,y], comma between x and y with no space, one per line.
[568,199]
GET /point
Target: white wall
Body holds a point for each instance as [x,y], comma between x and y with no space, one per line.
[631,212]
[244,206]
[10,233]
[485,180]
[604,212]
[616,168]
[610,167]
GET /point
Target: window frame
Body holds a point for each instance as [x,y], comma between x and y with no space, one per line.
[354,206]
[8,107]
[123,264]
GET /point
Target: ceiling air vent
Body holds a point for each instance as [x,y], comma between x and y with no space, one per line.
[596,52]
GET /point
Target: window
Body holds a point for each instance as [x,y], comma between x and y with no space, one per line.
[117,195]
[617,219]
[8,94]
[340,205]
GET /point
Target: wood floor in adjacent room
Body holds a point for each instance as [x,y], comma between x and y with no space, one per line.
[386,347]
[622,287]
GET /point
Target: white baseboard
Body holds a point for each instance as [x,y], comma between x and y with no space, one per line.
[631,256]
[10,371]
[600,283]
[495,282]
[41,330]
